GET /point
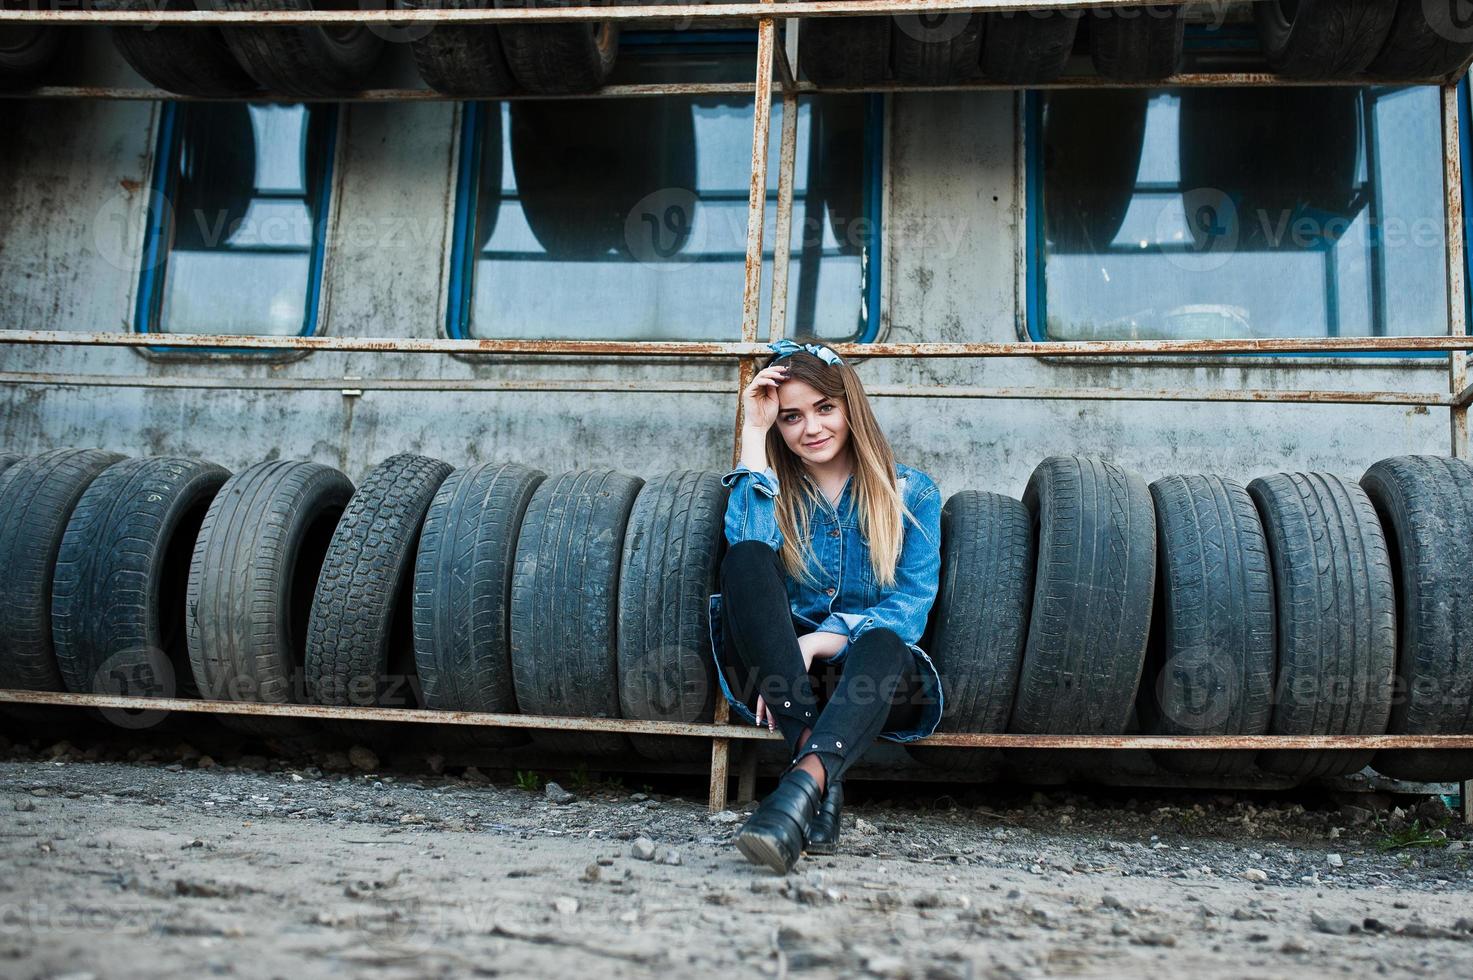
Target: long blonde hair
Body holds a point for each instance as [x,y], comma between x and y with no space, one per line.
[881,509]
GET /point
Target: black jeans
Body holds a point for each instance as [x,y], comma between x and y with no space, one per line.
[873,689]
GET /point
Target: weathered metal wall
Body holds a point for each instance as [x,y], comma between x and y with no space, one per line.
[74,183]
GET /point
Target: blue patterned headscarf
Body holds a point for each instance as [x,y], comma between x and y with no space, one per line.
[786,348]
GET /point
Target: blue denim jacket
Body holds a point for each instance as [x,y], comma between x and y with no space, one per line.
[847,599]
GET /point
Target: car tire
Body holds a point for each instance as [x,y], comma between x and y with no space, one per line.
[26,51]
[37,497]
[1423,42]
[304,60]
[1322,38]
[564,607]
[118,593]
[936,49]
[671,563]
[1137,44]
[1425,505]
[1210,665]
[845,51]
[360,635]
[559,59]
[1028,48]
[467,62]
[980,620]
[251,579]
[1336,611]
[1095,528]
[185,60]
[462,595]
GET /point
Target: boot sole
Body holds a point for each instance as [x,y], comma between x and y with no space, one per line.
[762,849]
[822,849]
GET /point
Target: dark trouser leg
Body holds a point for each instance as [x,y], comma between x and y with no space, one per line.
[760,643]
[877,691]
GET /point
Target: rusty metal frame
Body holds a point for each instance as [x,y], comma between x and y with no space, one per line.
[689,12]
[718,731]
[774,70]
[357,385]
[744,349]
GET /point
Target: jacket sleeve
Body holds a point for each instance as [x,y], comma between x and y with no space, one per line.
[906,605]
[751,514]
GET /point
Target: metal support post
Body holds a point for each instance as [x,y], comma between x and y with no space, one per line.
[751,304]
[777,312]
[1452,187]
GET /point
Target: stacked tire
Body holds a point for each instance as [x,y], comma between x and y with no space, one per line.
[325,61]
[1300,604]
[1392,40]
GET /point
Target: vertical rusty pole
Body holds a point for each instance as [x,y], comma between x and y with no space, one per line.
[1452,189]
[777,311]
[751,305]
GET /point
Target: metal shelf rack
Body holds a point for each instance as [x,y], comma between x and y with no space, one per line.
[774,73]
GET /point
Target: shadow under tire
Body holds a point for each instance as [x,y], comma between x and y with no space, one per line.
[845,50]
[1137,44]
[251,579]
[671,564]
[1322,38]
[118,593]
[559,59]
[462,595]
[980,620]
[1336,610]
[305,59]
[939,53]
[564,606]
[359,634]
[186,60]
[1425,504]
[462,61]
[37,497]
[1210,664]
[1027,49]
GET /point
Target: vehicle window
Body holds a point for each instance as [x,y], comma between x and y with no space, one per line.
[236,238]
[626,218]
[1207,213]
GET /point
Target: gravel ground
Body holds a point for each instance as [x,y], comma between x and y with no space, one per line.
[173,863]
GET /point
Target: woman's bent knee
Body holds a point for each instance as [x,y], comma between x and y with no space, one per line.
[743,553]
[880,649]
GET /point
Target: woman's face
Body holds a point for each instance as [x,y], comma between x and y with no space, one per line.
[812,424]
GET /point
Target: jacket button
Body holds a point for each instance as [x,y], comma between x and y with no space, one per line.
[830,591]
[833,534]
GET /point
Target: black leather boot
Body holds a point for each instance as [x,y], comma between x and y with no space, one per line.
[823,833]
[773,835]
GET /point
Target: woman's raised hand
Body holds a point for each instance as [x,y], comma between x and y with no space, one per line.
[759,400]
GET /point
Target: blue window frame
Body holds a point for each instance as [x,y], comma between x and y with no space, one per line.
[1234,213]
[235,238]
[626,219]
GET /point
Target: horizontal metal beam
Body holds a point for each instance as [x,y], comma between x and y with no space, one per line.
[679,348]
[749,732]
[352,385]
[655,89]
[576,12]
